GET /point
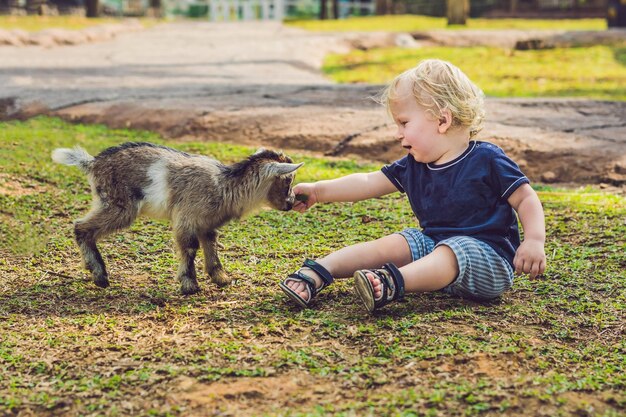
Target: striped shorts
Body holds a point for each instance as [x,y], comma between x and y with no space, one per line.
[483,274]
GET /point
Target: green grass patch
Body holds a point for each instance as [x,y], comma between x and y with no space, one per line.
[37,23]
[597,72]
[409,23]
[551,346]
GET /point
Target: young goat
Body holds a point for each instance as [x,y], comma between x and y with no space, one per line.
[196,193]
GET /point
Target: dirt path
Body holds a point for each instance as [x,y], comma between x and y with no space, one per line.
[259,83]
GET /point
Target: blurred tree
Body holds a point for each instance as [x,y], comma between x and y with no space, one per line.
[324,9]
[383,7]
[9,6]
[616,13]
[92,8]
[35,7]
[457,11]
[156,8]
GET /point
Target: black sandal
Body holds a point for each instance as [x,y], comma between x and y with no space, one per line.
[323,273]
[391,281]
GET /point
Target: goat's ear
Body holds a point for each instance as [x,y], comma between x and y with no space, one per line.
[258,151]
[282,168]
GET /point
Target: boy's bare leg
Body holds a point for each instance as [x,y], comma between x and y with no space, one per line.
[431,273]
[366,255]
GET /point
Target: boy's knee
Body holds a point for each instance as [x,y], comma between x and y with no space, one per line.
[419,244]
[395,248]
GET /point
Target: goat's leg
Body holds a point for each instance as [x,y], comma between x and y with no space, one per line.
[92,259]
[212,265]
[188,247]
[98,223]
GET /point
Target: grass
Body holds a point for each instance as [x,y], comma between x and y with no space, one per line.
[553,346]
[398,23]
[37,23]
[597,72]
[409,23]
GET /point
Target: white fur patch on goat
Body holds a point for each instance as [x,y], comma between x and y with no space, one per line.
[77,156]
[156,195]
[96,203]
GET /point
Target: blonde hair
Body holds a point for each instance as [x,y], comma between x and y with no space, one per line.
[438,85]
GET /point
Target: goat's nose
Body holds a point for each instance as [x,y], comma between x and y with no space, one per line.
[290,200]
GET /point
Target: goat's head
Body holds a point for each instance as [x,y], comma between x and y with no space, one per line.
[281,171]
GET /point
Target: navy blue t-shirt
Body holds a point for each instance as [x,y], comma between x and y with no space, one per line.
[464,197]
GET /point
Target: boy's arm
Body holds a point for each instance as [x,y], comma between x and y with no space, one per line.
[530,257]
[353,187]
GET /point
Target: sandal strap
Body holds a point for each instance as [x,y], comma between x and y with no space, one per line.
[308,281]
[398,280]
[389,276]
[326,277]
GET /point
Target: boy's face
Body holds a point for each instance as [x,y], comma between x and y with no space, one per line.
[417,130]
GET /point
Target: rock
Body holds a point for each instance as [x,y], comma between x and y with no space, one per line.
[366,41]
[472,37]
[620,167]
[573,38]
[522,39]
[41,39]
[615,178]
[528,44]
[54,37]
[99,33]
[65,37]
[549,177]
[8,107]
[9,38]
[404,40]
[22,35]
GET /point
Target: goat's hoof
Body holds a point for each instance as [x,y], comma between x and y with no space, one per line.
[188,288]
[220,278]
[101,282]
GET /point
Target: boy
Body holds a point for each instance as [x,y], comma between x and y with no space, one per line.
[462,191]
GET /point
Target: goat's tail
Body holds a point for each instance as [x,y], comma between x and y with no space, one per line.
[77,157]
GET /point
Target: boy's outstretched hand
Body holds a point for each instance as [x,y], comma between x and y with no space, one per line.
[530,258]
[305,196]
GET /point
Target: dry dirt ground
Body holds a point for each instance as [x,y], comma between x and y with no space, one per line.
[259,84]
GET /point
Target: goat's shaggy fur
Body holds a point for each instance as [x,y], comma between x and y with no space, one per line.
[198,194]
